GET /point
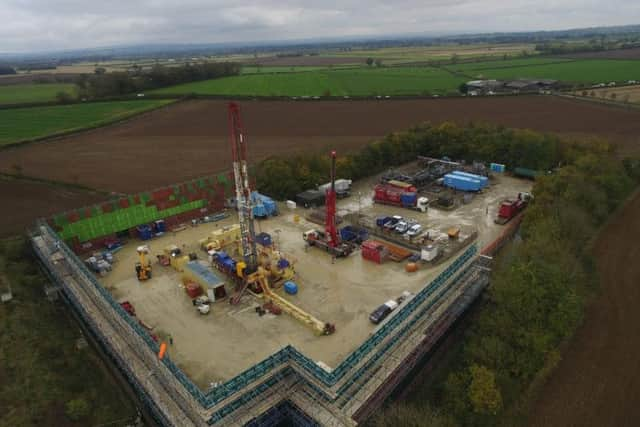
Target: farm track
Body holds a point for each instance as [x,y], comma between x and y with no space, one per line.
[597,383]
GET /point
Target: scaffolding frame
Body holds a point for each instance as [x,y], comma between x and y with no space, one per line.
[287,377]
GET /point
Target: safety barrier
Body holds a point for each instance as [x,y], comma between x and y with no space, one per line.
[286,355]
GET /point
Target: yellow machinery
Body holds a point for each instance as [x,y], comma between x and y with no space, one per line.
[259,278]
[276,265]
[176,259]
[222,238]
[143,267]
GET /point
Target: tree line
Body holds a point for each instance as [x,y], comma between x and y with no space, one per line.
[283,178]
[537,297]
[5,69]
[101,84]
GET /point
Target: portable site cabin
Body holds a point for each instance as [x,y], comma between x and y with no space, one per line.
[208,280]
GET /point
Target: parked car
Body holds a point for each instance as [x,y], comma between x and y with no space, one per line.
[401,227]
[391,224]
[380,313]
[414,230]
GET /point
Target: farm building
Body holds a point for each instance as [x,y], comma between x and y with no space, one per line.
[483,87]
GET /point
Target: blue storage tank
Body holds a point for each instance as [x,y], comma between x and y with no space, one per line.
[408,199]
[290,288]
[497,167]
[462,183]
[484,181]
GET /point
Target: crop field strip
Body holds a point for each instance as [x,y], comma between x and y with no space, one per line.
[25,93]
[567,70]
[20,124]
[405,80]
[352,82]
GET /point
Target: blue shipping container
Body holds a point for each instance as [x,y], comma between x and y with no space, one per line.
[497,167]
[484,181]
[462,183]
[290,288]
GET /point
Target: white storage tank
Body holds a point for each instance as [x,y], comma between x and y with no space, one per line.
[429,252]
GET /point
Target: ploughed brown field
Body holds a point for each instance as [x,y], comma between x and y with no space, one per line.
[25,201]
[597,383]
[633,53]
[190,139]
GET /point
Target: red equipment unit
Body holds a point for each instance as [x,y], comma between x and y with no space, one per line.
[373,251]
[333,240]
[388,194]
[510,208]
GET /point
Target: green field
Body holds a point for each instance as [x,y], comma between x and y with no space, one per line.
[19,124]
[353,82]
[403,54]
[20,94]
[579,71]
[252,69]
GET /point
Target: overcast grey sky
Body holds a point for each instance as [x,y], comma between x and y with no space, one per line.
[28,25]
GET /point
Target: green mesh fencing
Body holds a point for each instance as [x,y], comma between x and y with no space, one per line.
[121,219]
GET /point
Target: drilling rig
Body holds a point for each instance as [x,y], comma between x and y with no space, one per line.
[329,239]
[249,271]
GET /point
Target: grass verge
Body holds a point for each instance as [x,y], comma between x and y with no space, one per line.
[45,378]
